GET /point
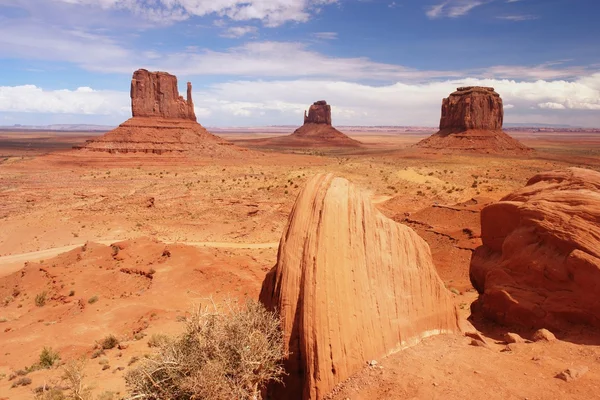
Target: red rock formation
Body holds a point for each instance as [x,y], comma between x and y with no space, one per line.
[351,286]
[318,113]
[472,107]
[155,94]
[316,132]
[162,122]
[539,266]
[472,120]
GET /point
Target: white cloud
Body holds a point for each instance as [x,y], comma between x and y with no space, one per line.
[83,100]
[243,103]
[453,8]
[325,35]
[270,12]
[552,106]
[519,18]
[102,53]
[239,31]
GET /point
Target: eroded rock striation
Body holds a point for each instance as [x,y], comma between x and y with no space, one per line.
[539,265]
[318,113]
[471,120]
[155,95]
[351,285]
[162,122]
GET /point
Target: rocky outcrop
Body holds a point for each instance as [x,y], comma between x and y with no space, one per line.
[351,285]
[155,94]
[472,107]
[318,113]
[316,132]
[471,120]
[539,265]
[162,122]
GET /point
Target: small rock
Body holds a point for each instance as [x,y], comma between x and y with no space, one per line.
[507,348]
[479,343]
[123,346]
[105,367]
[476,336]
[373,363]
[513,338]
[543,335]
[573,373]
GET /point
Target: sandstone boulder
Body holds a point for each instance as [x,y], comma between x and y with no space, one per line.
[539,265]
[471,120]
[351,286]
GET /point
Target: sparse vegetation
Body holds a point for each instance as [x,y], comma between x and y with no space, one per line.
[40,299]
[221,355]
[23,381]
[48,357]
[157,339]
[109,342]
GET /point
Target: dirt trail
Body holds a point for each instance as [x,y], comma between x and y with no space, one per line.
[14,262]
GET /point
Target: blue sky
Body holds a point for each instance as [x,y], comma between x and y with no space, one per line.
[262,62]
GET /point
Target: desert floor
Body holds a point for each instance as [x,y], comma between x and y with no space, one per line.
[189,230]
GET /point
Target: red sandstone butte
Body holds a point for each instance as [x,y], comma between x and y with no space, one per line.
[471,120]
[351,286]
[318,113]
[162,122]
[539,265]
[316,131]
[155,94]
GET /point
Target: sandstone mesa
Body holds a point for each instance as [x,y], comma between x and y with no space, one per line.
[162,122]
[471,120]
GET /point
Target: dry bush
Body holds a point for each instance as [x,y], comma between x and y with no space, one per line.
[73,374]
[227,352]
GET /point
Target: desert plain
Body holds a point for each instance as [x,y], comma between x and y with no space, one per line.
[128,244]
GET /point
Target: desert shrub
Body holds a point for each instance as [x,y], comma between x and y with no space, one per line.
[73,375]
[93,299]
[109,342]
[49,393]
[157,339]
[23,381]
[48,357]
[40,299]
[224,353]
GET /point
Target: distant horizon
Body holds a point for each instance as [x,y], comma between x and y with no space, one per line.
[101,128]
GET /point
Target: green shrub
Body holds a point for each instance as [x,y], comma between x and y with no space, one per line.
[48,357]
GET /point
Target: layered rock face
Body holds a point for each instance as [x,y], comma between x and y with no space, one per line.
[155,94]
[472,108]
[162,122]
[318,113]
[351,285]
[539,266]
[316,131]
[472,119]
